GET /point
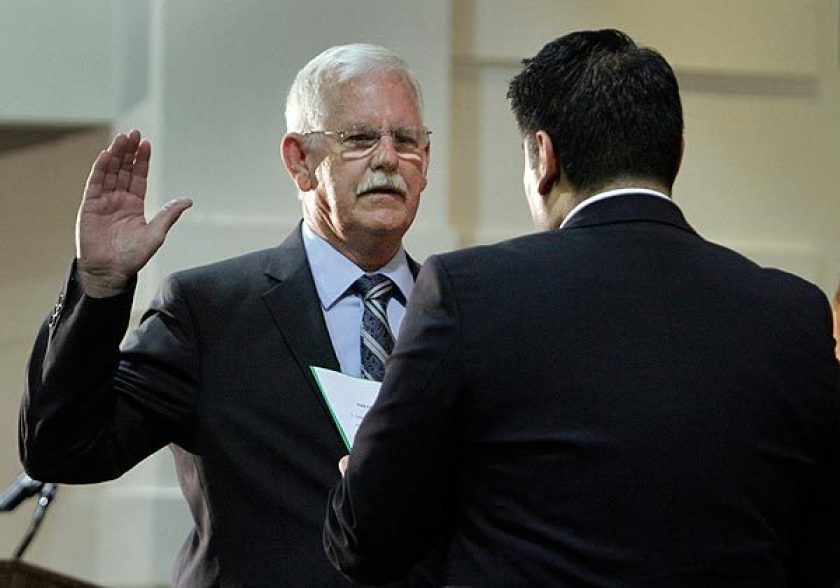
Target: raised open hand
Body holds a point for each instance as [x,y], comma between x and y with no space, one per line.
[113,239]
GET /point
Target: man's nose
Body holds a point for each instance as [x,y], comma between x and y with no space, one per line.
[385,154]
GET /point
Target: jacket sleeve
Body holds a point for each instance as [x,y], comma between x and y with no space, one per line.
[814,558]
[92,410]
[394,502]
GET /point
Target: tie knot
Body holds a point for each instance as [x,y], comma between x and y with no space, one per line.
[376,287]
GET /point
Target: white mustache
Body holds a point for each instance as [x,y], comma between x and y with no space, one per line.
[379,180]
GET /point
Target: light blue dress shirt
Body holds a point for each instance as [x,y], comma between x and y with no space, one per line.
[333,275]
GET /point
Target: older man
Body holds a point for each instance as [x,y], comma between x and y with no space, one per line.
[219,366]
[613,401]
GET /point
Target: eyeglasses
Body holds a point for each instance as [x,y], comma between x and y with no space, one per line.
[361,140]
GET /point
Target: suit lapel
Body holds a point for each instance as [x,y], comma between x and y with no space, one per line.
[293,303]
[412,265]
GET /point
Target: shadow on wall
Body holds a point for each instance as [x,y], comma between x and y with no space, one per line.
[42,171]
[14,137]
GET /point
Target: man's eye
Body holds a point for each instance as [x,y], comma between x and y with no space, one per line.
[405,138]
[362,138]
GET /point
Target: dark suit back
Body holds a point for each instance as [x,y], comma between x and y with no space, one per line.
[625,404]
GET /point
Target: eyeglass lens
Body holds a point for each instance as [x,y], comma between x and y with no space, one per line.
[361,140]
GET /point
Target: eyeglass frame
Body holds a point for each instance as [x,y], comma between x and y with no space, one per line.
[359,153]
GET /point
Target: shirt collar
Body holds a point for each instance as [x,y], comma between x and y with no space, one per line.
[333,273]
[610,194]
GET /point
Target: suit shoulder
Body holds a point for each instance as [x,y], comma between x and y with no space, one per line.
[501,253]
[798,288]
[247,262]
[230,278]
[772,276]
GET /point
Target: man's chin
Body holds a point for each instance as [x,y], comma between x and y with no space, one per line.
[385,223]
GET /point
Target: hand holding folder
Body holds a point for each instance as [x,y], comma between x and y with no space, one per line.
[348,399]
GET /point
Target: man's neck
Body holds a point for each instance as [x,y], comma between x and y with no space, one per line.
[369,252]
[625,184]
[563,202]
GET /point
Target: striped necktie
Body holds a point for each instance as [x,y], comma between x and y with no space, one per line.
[377,340]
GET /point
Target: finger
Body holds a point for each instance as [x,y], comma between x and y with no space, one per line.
[127,163]
[93,186]
[117,150]
[167,215]
[140,173]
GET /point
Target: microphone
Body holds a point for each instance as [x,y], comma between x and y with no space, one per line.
[22,488]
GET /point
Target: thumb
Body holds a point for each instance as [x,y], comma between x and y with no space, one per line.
[168,214]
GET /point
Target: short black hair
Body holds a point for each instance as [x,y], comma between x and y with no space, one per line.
[611,108]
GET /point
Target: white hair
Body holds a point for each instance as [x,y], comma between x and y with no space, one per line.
[306,103]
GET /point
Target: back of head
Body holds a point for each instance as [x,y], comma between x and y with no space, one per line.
[313,86]
[611,108]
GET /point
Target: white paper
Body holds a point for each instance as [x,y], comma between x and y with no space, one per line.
[348,399]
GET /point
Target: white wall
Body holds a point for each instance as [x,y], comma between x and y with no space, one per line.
[206,79]
[56,61]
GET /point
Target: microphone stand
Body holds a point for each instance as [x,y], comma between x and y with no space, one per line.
[45,498]
[22,488]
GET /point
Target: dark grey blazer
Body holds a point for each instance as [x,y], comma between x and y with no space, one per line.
[219,369]
[617,403]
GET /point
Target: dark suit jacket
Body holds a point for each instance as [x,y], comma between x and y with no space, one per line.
[219,369]
[616,403]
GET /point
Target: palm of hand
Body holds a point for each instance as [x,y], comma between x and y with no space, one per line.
[114,234]
[114,240]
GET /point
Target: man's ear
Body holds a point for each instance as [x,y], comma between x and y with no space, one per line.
[682,152]
[548,169]
[294,156]
[425,167]
[426,159]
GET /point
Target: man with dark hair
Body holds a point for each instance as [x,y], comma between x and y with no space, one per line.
[219,368]
[620,116]
[613,401]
